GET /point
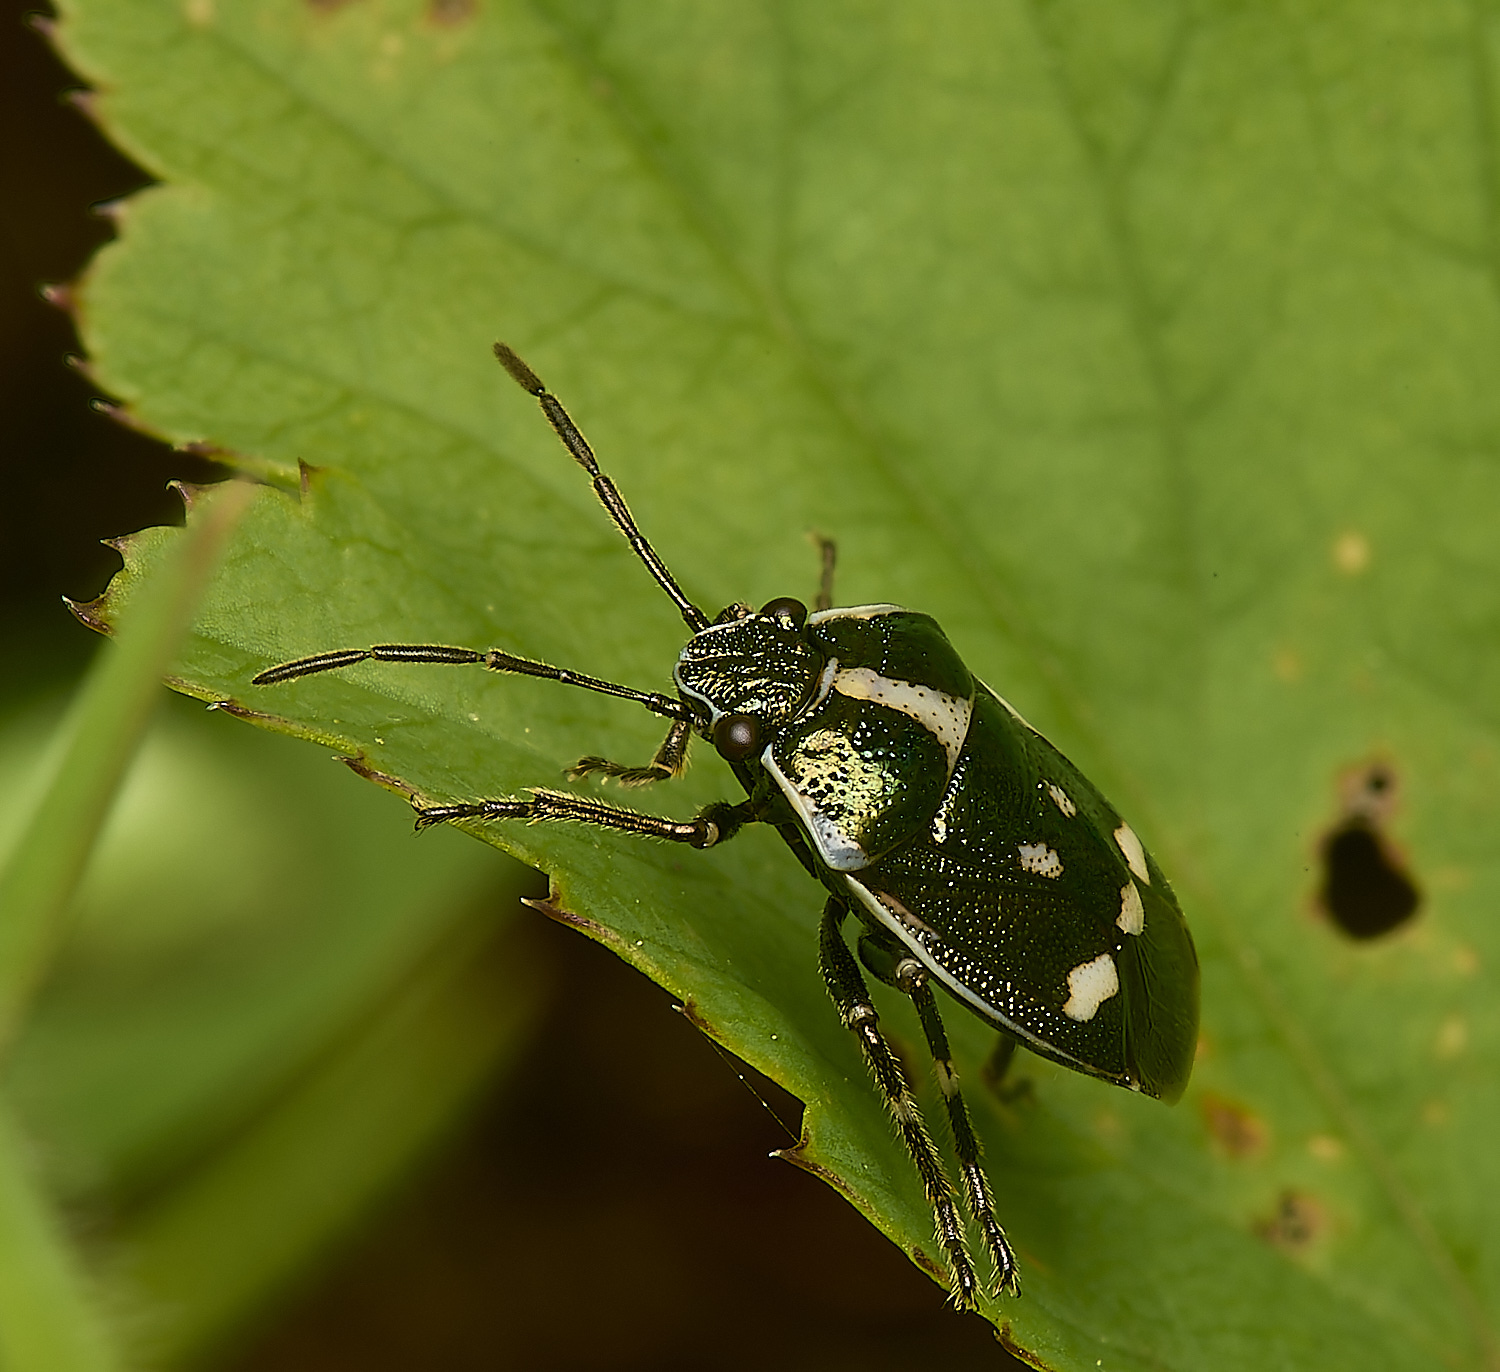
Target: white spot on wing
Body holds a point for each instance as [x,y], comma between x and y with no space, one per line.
[1062,800]
[916,943]
[939,828]
[1090,984]
[1038,858]
[1132,917]
[945,717]
[1135,855]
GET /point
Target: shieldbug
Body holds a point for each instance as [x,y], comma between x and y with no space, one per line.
[972,854]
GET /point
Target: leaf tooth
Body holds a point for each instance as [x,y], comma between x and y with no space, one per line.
[86,102]
[96,614]
[61,295]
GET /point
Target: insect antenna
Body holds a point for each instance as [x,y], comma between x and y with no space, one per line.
[604,488]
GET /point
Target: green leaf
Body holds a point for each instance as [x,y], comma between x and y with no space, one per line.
[1150,347]
[88,759]
[288,1188]
[273,999]
[45,1318]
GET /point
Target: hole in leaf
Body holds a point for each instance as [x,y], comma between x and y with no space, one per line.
[1366,889]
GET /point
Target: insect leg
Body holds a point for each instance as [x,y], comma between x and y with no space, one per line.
[912,978]
[491,658]
[995,1073]
[895,966]
[997,1066]
[828,554]
[668,763]
[716,823]
[847,987]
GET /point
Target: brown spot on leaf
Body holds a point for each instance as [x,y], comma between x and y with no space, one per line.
[451,13]
[1236,1130]
[306,471]
[1297,1222]
[1007,1341]
[798,1158]
[1366,889]
[553,908]
[232,707]
[360,766]
[688,1009]
[928,1264]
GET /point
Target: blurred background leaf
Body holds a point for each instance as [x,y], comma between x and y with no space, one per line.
[1149,347]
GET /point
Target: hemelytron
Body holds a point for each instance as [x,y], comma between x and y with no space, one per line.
[970,852]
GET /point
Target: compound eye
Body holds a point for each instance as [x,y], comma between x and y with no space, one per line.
[787,610]
[737,736]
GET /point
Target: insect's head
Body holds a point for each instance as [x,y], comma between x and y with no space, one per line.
[748,674]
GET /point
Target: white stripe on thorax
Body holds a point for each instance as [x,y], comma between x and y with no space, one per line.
[945,717]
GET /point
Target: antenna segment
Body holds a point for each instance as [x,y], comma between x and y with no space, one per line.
[604,488]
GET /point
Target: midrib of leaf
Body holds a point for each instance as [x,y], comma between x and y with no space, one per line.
[780,321]
[763,302]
